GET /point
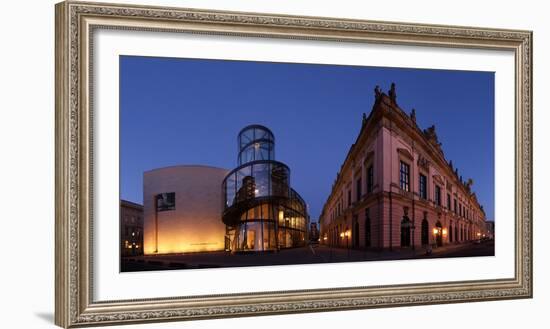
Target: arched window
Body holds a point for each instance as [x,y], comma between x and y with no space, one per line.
[439,236]
[405,232]
[367,228]
[451,232]
[355,232]
[425,232]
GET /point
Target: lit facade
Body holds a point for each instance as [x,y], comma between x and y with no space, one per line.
[395,189]
[131,228]
[261,210]
[182,210]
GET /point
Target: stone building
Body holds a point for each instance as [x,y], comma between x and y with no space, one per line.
[183,209]
[131,228]
[395,189]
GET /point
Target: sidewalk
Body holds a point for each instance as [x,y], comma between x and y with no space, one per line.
[342,254]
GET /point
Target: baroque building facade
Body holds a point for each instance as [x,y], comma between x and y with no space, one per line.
[395,189]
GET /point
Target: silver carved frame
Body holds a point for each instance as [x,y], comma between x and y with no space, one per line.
[76,22]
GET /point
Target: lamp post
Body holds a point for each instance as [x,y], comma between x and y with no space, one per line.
[342,235]
[435,233]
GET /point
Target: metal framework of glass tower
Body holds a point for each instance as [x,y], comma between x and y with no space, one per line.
[261,211]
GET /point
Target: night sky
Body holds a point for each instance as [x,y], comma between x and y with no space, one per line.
[188,111]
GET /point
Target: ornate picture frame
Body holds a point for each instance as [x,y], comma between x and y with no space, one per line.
[75,24]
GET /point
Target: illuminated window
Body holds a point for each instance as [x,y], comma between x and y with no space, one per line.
[166,201]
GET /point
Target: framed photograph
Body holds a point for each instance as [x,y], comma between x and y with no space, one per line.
[217,164]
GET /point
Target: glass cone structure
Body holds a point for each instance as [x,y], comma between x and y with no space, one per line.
[261,211]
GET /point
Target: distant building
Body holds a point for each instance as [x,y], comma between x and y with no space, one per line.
[131,228]
[490,230]
[313,232]
[183,209]
[395,189]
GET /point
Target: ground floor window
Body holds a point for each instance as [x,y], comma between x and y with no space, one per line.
[425,232]
[439,237]
[405,232]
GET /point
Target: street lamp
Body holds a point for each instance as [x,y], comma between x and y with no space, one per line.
[436,233]
[342,235]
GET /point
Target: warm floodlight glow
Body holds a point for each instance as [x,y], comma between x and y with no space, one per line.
[444,231]
[342,235]
[436,231]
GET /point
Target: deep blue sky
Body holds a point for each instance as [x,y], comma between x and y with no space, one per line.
[188,111]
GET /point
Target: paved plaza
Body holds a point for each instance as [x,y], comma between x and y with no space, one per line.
[313,254]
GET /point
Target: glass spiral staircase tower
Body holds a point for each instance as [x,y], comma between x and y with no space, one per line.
[261,211]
